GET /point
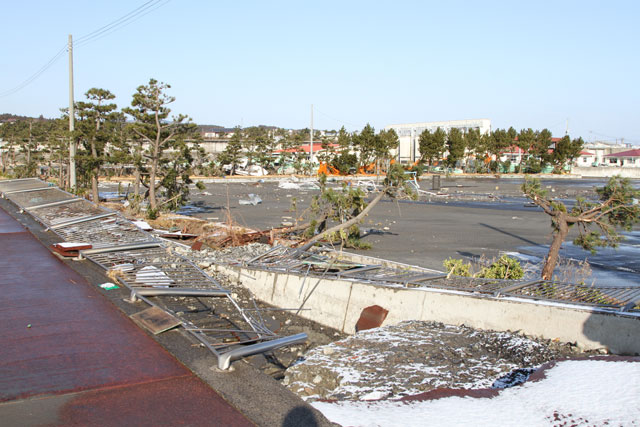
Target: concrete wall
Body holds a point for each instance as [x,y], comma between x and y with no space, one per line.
[607,171]
[338,304]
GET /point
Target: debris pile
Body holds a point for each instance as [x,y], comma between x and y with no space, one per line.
[414,357]
[207,258]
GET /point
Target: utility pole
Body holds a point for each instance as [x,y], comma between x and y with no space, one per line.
[72,143]
[311,144]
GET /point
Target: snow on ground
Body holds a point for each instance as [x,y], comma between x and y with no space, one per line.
[413,357]
[574,393]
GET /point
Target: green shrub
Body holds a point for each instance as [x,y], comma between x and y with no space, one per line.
[152,213]
[504,268]
[457,267]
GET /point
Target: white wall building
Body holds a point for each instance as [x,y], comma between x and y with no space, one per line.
[409,134]
[601,149]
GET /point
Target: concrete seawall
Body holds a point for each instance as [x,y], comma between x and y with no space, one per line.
[607,172]
[339,303]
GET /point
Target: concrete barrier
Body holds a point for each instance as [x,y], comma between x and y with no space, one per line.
[607,172]
[339,303]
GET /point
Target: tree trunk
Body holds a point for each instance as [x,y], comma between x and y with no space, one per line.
[96,170]
[154,164]
[94,186]
[60,172]
[346,224]
[552,257]
[136,183]
[152,184]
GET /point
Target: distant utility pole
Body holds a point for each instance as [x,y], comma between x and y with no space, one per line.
[311,145]
[72,144]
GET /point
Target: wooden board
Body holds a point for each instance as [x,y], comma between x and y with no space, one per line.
[155,320]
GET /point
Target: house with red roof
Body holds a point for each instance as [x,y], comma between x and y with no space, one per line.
[586,159]
[625,159]
[516,155]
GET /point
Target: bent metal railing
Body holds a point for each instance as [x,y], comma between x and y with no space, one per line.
[150,270]
[283,259]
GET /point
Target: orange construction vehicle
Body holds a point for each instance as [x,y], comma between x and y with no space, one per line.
[327,169]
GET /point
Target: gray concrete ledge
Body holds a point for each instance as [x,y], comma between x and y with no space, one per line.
[339,303]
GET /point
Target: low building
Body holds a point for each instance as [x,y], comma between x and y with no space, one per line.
[601,149]
[625,159]
[409,133]
[586,158]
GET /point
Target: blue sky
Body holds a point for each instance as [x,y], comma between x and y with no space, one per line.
[522,64]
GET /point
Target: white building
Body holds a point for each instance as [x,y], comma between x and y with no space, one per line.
[628,159]
[601,149]
[409,134]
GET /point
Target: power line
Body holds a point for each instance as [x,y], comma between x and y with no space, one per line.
[121,22]
[35,75]
[337,120]
[615,137]
[113,23]
[103,31]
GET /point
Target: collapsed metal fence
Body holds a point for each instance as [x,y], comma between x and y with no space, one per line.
[288,260]
[169,281]
[150,270]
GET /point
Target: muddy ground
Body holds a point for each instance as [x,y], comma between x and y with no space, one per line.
[418,233]
[422,233]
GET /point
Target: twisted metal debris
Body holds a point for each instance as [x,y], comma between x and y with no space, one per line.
[287,260]
[150,270]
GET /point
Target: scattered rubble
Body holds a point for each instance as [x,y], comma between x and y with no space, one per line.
[280,320]
[253,199]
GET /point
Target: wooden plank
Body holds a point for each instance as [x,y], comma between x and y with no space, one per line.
[155,320]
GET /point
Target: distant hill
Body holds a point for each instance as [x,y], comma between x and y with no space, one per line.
[8,117]
[214,128]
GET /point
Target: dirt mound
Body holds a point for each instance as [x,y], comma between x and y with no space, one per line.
[414,357]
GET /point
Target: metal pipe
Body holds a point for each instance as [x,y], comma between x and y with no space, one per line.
[30,190]
[131,246]
[46,205]
[80,220]
[428,278]
[630,305]
[181,292]
[516,287]
[21,179]
[421,278]
[224,360]
[359,270]
[273,249]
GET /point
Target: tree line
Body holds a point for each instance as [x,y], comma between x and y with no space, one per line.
[161,149]
[476,152]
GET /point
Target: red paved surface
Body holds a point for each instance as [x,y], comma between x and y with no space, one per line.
[179,401]
[59,335]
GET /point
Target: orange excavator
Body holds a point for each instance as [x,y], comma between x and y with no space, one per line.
[328,170]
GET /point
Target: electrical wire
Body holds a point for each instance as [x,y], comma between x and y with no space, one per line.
[615,137]
[115,22]
[121,22]
[337,120]
[103,31]
[35,75]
